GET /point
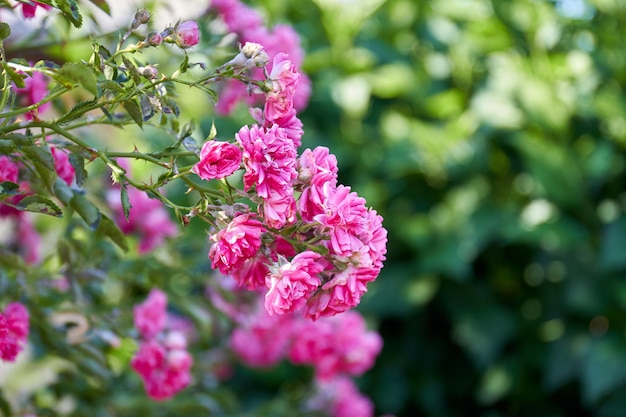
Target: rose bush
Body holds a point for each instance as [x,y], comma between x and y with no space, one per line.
[120,222]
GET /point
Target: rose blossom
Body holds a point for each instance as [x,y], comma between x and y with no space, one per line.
[217,160]
[236,243]
[290,283]
[269,158]
[187,34]
[14,328]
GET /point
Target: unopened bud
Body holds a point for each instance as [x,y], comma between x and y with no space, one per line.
[142,16]
[250,55]
[187,34]
[255,53]
[148,71]
[154,39]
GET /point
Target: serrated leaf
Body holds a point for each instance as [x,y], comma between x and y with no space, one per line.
[39,204]
[85,209]
[77,111]
[8,189]
[75,73]
[108,228]
[5,30]
[19,139]
[69,8]
[132,108]
[40,154]
[126,206]
[78,163]
[110,85]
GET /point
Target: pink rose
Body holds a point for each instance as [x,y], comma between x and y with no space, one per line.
[236,243]
[217,160]
[187,34]
[150,315]
[28,10]
[14,330]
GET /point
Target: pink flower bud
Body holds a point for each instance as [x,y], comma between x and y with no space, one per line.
[187,34]
[154,39]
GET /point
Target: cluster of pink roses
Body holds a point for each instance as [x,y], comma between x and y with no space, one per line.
[13,330]
[299,194]
[338,348]
[25,239]
[162,360]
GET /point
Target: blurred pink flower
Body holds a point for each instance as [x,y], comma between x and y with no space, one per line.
[217,160]
[147,217]
[334,346]
[348,401]
[62,165]
[28,10]
[35,89]
[262,340]
[149,316]
[8,169]
[14,328]
[162,360]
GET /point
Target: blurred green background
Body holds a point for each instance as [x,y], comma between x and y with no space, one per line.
[491,137]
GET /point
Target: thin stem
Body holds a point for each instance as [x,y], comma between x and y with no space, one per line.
[138,155]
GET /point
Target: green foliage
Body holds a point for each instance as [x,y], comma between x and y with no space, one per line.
[491,137]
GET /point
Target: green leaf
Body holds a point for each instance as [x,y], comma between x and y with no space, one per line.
[604,369]
[109,229]
[78,163]
[77,111]
[132,108]
[126,206]
[8,189]
[69,8]
[147,107]
[5,407]
[43,162]
[102,5]
[39,204]
[90,214]
[40,154]
[19,139]
[120,356]
[75,73]
[7,147]
[5,30]
[62,191]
